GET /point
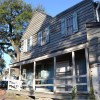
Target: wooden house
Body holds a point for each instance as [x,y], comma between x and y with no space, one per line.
[58,53]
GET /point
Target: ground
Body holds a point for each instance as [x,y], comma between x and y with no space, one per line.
[4,95]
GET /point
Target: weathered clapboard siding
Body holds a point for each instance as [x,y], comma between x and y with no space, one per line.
[93,37]
[85,13]
[37,23]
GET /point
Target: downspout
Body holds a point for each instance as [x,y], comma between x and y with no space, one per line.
[97,12]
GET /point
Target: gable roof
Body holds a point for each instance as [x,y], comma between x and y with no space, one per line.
[36,22]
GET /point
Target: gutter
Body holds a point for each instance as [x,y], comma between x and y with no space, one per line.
[97,11]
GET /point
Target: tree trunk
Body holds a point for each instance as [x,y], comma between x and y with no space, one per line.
[17,50]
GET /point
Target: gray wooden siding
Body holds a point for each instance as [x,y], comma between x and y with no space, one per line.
[94,45]
[85,13]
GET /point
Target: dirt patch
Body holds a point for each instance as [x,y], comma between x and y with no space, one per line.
[2,92]
[4,95]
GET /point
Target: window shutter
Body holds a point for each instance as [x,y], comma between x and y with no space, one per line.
[63,26]
[47,34]
[31,40]
[75,22]
[25,45]
[26,48]
[40,38]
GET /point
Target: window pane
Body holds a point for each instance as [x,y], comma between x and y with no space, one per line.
[47,34]
[69,23]
[39,38]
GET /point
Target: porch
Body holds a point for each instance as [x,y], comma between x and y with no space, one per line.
[59,74]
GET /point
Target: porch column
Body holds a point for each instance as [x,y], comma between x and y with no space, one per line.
[54,74]
[20,72]
[34,68]
[20,83]
[88,70]
[74,74]
[8,78]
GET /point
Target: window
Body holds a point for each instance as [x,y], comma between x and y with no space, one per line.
[26,44]
[69,25]
[43,36]
[29,43]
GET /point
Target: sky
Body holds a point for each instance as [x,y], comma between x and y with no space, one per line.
[52,7]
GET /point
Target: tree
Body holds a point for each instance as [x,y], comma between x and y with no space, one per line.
[2,62]
[14,18]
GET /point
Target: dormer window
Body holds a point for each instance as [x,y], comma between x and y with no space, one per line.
[29,43]
[26,44]
[43,36]
[69,25]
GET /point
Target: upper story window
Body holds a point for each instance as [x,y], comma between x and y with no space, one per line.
[69,25]
[27,44]
[43,36]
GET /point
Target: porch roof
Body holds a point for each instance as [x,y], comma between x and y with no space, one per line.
[28,61]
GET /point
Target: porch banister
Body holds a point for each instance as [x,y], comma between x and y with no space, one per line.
[34,67]
[74,75]
[54,74]
[87,66]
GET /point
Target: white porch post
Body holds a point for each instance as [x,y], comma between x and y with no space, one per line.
[88,71]
[8,77]
[54,74]
[74,75]
[34,68]
[20,73]
[20,78]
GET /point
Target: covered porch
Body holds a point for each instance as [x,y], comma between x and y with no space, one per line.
[59,73]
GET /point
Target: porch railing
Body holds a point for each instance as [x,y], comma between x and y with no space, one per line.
[44,85]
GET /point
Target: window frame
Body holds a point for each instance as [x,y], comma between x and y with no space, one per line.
[43,36]
[73,24]
[26,44]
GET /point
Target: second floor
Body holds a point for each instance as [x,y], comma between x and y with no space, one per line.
[46,34]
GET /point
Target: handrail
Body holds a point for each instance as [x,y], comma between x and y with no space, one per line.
[44,79]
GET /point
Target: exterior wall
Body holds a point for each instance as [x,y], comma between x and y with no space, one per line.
[85,13]
[93,36]
[94,45]
[95,72]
